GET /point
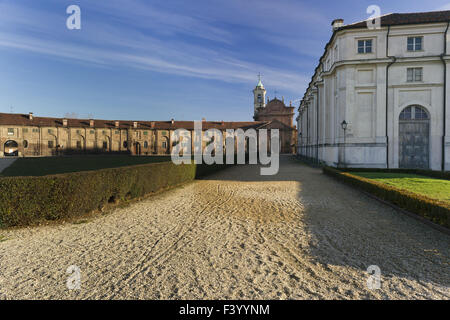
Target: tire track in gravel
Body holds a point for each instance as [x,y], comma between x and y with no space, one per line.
[235,235]
[161,251]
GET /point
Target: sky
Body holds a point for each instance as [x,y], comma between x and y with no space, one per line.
[166,59]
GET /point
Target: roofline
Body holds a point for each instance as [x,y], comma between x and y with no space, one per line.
[349,27]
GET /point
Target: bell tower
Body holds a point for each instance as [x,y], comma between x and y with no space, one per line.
[259,94]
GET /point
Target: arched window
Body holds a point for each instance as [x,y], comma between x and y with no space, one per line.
[259,98]
[145,144]
[11,144]
[414,113]
[25,143]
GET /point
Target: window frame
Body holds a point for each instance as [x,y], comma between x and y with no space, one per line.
[365,46]
[414,44]
[414,76]
[10,132]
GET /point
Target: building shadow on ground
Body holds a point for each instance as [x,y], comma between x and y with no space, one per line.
[348,228]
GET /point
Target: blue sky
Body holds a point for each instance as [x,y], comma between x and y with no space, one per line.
[157,60]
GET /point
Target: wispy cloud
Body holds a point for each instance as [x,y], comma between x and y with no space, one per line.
[444,7]
[103,43]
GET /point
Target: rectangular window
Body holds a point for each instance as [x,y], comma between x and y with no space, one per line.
[50,131]
[364,46]
[50,144]
[104,132]
[117,131]
[35,130]
[415,43]
[10,131]
[78,144]
[78,131]
[92,132]
[414,74]
[25,130]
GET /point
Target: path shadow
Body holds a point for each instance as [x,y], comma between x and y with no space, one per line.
[350,229]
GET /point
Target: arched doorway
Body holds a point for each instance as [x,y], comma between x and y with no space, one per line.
[138,149]
[165,145]
[414,138]
[11,148]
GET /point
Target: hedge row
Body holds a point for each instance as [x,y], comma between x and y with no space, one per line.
[30,200]
[433,210]
[429,173]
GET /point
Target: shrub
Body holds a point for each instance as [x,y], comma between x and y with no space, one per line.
[30,200]
[433,210]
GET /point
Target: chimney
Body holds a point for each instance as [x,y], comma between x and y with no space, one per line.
[152,124]
[91,123]
[116,123]
[30,116]
[203,119]
[172,121]
[135,124]
[337,23]
[64,122]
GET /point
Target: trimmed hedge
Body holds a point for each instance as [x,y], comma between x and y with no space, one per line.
[433,210]
[30,200]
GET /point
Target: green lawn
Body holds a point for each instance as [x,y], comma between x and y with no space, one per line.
[53,165]
[433,188]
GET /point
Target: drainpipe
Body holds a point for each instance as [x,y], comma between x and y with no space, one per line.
[445,96]
[394,59]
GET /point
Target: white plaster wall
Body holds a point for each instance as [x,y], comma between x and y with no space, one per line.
[354,89]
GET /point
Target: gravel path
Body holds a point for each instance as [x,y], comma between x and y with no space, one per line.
[297,235]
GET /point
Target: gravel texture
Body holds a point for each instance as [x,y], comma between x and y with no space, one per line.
[237,235]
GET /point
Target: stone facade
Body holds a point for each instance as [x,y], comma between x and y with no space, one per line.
[27,136]
[390,86]
[278,116]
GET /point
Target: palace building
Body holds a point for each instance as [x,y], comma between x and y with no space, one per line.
[379,95]
[25,135]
